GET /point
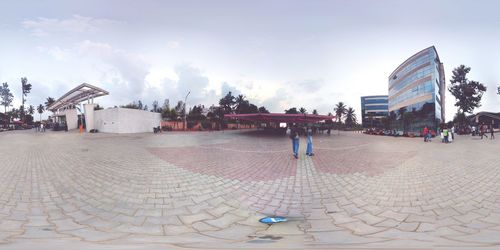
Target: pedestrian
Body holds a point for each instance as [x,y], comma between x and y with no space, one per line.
[492,132]
[294,135]
[453,133]
[309,150]
[483,131]
[426,133]
[442,135]
[445,134]
[42,129]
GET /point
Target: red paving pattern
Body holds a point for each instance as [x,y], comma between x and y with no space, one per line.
[357,160]
[224,161]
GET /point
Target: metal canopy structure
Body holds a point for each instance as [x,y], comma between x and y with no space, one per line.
[285,118]
[82,92]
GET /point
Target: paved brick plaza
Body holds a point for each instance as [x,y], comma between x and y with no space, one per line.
[208,190]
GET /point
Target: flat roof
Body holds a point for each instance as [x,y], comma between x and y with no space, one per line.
[79,94]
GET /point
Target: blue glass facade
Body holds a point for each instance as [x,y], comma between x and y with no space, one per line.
[416,92]
[373,109]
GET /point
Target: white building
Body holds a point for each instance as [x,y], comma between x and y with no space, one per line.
[112,120]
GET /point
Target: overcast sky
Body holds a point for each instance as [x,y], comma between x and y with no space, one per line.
[279,54]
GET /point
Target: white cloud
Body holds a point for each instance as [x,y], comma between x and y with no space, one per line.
[56,52]
[76,24]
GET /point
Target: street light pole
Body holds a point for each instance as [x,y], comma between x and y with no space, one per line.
[185,100]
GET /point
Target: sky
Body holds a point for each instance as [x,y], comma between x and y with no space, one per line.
[279,54]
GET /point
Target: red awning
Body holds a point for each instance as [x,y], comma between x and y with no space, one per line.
[273,117]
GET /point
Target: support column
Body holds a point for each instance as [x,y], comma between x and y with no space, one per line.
[89,116]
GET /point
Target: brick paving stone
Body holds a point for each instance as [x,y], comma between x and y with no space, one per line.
[361,228]
[369,218]
[93,235]
[206,188]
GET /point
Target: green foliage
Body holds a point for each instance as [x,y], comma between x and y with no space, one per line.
[468,93]
[133,105]
[196,114]
[340,110]
[263,110]
[40,110]
[31,110]
[49,102]
[6,97]
[227,103]
[291,111]
[350,117]
[97,107]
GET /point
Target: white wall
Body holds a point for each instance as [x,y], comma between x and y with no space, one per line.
[122,120]
[71,118]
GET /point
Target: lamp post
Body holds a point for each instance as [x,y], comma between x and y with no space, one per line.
[185,100]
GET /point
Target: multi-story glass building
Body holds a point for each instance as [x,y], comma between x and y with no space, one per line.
[373,109]
[416,92]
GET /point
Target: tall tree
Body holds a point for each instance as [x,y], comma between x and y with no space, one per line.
[340,110]
[31,110]
[6,97]
[263,110]
[468,93]
[155,106]
[180,109]
[26,88]
[49,102]
[291,111]
[350,117]
[302,110]
[227,103]
[40,110]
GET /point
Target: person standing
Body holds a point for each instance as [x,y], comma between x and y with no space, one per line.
[483,131]
[492,132]
[294,135]
[309,150]
[452,133]
[426,133]
[445,134]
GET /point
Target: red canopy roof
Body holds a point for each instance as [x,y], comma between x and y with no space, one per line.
[274,117]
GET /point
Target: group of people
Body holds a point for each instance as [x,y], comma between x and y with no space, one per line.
[40,127]
[483,128]
[295,136]
[447,135]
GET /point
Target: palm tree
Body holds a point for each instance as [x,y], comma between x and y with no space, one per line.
[302,110]
[350,117]
[49,102]
[31,110]
[40,110]
[340,110]
[26,88]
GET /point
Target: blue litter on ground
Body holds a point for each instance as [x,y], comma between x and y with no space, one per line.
[272,220]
